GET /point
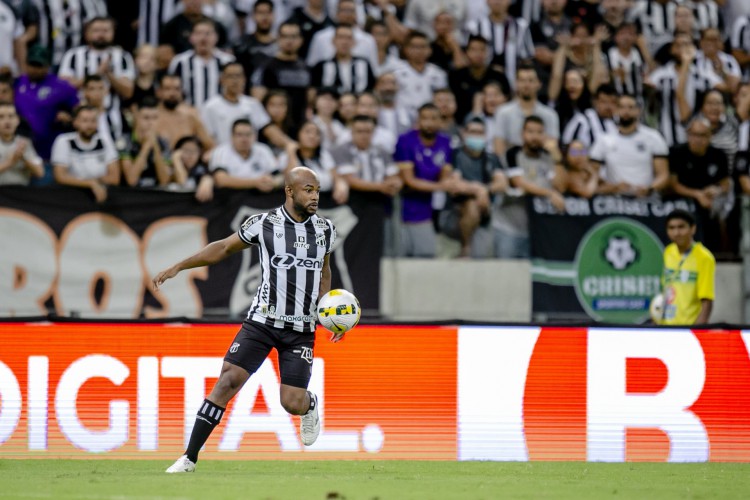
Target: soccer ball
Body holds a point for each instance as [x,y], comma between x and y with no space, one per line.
[656,307]
[339,311]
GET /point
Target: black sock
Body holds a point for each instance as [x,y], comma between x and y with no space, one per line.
[207,418]
[312,402]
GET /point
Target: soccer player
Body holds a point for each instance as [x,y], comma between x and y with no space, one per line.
[295,245]
[689,268]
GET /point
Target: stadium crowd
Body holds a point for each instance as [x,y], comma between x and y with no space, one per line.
[450,110]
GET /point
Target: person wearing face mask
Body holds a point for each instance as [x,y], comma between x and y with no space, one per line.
[466,216]
[634,157]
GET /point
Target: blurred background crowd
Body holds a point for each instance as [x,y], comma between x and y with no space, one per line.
[448,112]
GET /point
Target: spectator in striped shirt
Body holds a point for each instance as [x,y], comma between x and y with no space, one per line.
[344,72]
[200,67]
[99,56]
[710,57]
[589,125]
[740,43]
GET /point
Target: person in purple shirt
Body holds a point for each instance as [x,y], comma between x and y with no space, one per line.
[44,101]
[423,157]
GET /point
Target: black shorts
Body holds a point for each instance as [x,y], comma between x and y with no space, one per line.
[254,342]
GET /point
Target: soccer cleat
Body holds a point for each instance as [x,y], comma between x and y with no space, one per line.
[183,464]
[309,426]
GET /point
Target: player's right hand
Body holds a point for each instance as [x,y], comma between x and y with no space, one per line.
[162,277]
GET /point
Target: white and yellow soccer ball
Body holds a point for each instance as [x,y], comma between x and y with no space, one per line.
[656,307]
[339,311]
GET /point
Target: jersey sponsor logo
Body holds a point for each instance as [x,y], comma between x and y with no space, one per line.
[250,221]
[287,261]
[275,219]
[279,235]
[321,223]
[301,242]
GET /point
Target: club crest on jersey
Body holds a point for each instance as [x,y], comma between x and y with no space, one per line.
[301,242]
[275,219]
[320,239]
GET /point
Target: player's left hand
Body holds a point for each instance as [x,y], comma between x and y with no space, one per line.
[336,337]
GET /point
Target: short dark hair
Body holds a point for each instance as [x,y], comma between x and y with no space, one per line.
[269,3]
[477,39]
[164,76]
[415,34]
[289,23]
[606,89]
[363,118]
[242,121]
[681,215]
[233,63]
[93,77]
[475,120]
[99,19]
[207,21]
[427,107]
[346,26]
[526,67]
[83,107]
[8,104]
[533,119]
[148,102]
[188,138]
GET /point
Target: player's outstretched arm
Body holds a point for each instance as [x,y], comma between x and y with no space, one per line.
[211,254]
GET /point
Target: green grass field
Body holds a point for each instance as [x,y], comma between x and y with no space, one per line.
[141,479]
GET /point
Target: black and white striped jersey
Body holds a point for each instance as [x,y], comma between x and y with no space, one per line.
[707,14]
[740,39]
[587,127]
[729,64]
[200,76]
[509,41]
[291,261]
[61,23]
[354,75]
[665,79]
[626,71]
[152,14]
[655,21]
[82,61]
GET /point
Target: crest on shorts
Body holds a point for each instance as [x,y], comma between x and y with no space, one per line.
[235,347]
[307,354]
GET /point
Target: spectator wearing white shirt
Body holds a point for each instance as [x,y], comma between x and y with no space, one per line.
[13,46]
[325,108]
[417,78]
[740,42]
[321,46]
[222,110]
[388,56]
[85,159]
[244,163]
[199,67]
[633,159]
[369,105]
[396,119]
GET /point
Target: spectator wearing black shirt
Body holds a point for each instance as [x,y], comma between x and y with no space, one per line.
[466,82]
[311,18]
[144,157]
[700,171]
[190,172]
[287,72]
[255,49]
[446,50]
[178,30]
